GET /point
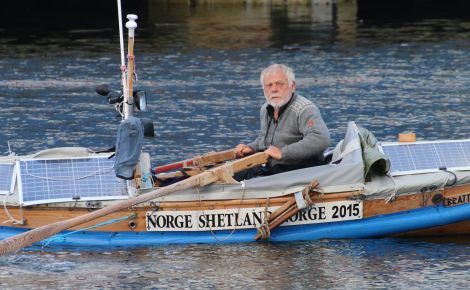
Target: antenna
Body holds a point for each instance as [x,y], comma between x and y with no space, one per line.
[123,61]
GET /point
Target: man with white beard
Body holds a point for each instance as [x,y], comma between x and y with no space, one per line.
[292,131]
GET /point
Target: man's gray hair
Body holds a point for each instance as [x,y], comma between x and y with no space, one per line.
[288,72]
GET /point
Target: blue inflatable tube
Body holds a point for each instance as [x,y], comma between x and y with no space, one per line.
[377,226]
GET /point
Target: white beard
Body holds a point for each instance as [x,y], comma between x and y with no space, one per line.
[276,105]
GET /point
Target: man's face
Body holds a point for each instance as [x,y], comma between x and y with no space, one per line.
[276,88]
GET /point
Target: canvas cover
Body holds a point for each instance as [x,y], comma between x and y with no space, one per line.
[386,186]
[345,172]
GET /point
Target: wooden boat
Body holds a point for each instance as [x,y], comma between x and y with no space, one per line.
[340,204]
[71,196]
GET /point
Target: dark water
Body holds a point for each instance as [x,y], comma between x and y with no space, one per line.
[200,67]
[355,264]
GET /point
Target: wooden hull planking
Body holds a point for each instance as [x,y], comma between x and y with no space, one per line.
[36,216]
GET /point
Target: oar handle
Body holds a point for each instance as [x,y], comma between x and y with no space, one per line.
[203,160]
[173,166]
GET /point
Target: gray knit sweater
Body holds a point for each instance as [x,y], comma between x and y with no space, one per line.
[299,132]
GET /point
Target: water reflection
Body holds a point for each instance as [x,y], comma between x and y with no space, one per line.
[381,263]
[236,26]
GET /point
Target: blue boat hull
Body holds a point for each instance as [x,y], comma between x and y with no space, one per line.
[373,227]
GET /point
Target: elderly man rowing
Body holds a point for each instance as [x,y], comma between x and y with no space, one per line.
[292,131]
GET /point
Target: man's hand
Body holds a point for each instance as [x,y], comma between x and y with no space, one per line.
[274,152]
[242,150]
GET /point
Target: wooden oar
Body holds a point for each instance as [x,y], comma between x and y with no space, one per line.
[30,237]
[203,160]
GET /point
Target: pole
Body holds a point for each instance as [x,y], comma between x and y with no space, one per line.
[121,41]
[131,25]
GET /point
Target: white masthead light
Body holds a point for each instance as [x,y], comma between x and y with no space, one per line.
[131,24]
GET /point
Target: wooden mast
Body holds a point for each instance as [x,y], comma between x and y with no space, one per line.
[131,25]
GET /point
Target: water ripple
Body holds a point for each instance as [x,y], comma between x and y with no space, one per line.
[201,76]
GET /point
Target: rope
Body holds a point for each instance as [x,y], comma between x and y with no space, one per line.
[264,230]
[307,198]
[118,107]
[136,78]
[310,189]
[11,218]
[62,237]
[238,214]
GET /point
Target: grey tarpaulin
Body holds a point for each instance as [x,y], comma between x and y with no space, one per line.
[347,168]
[374,160]
[129,141]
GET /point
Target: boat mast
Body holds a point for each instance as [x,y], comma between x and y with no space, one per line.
[131,25]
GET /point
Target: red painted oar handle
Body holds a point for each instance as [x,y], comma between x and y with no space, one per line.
[173,166]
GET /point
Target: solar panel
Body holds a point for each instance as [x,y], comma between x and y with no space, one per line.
[61,180]
[427,156]
[7,177]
